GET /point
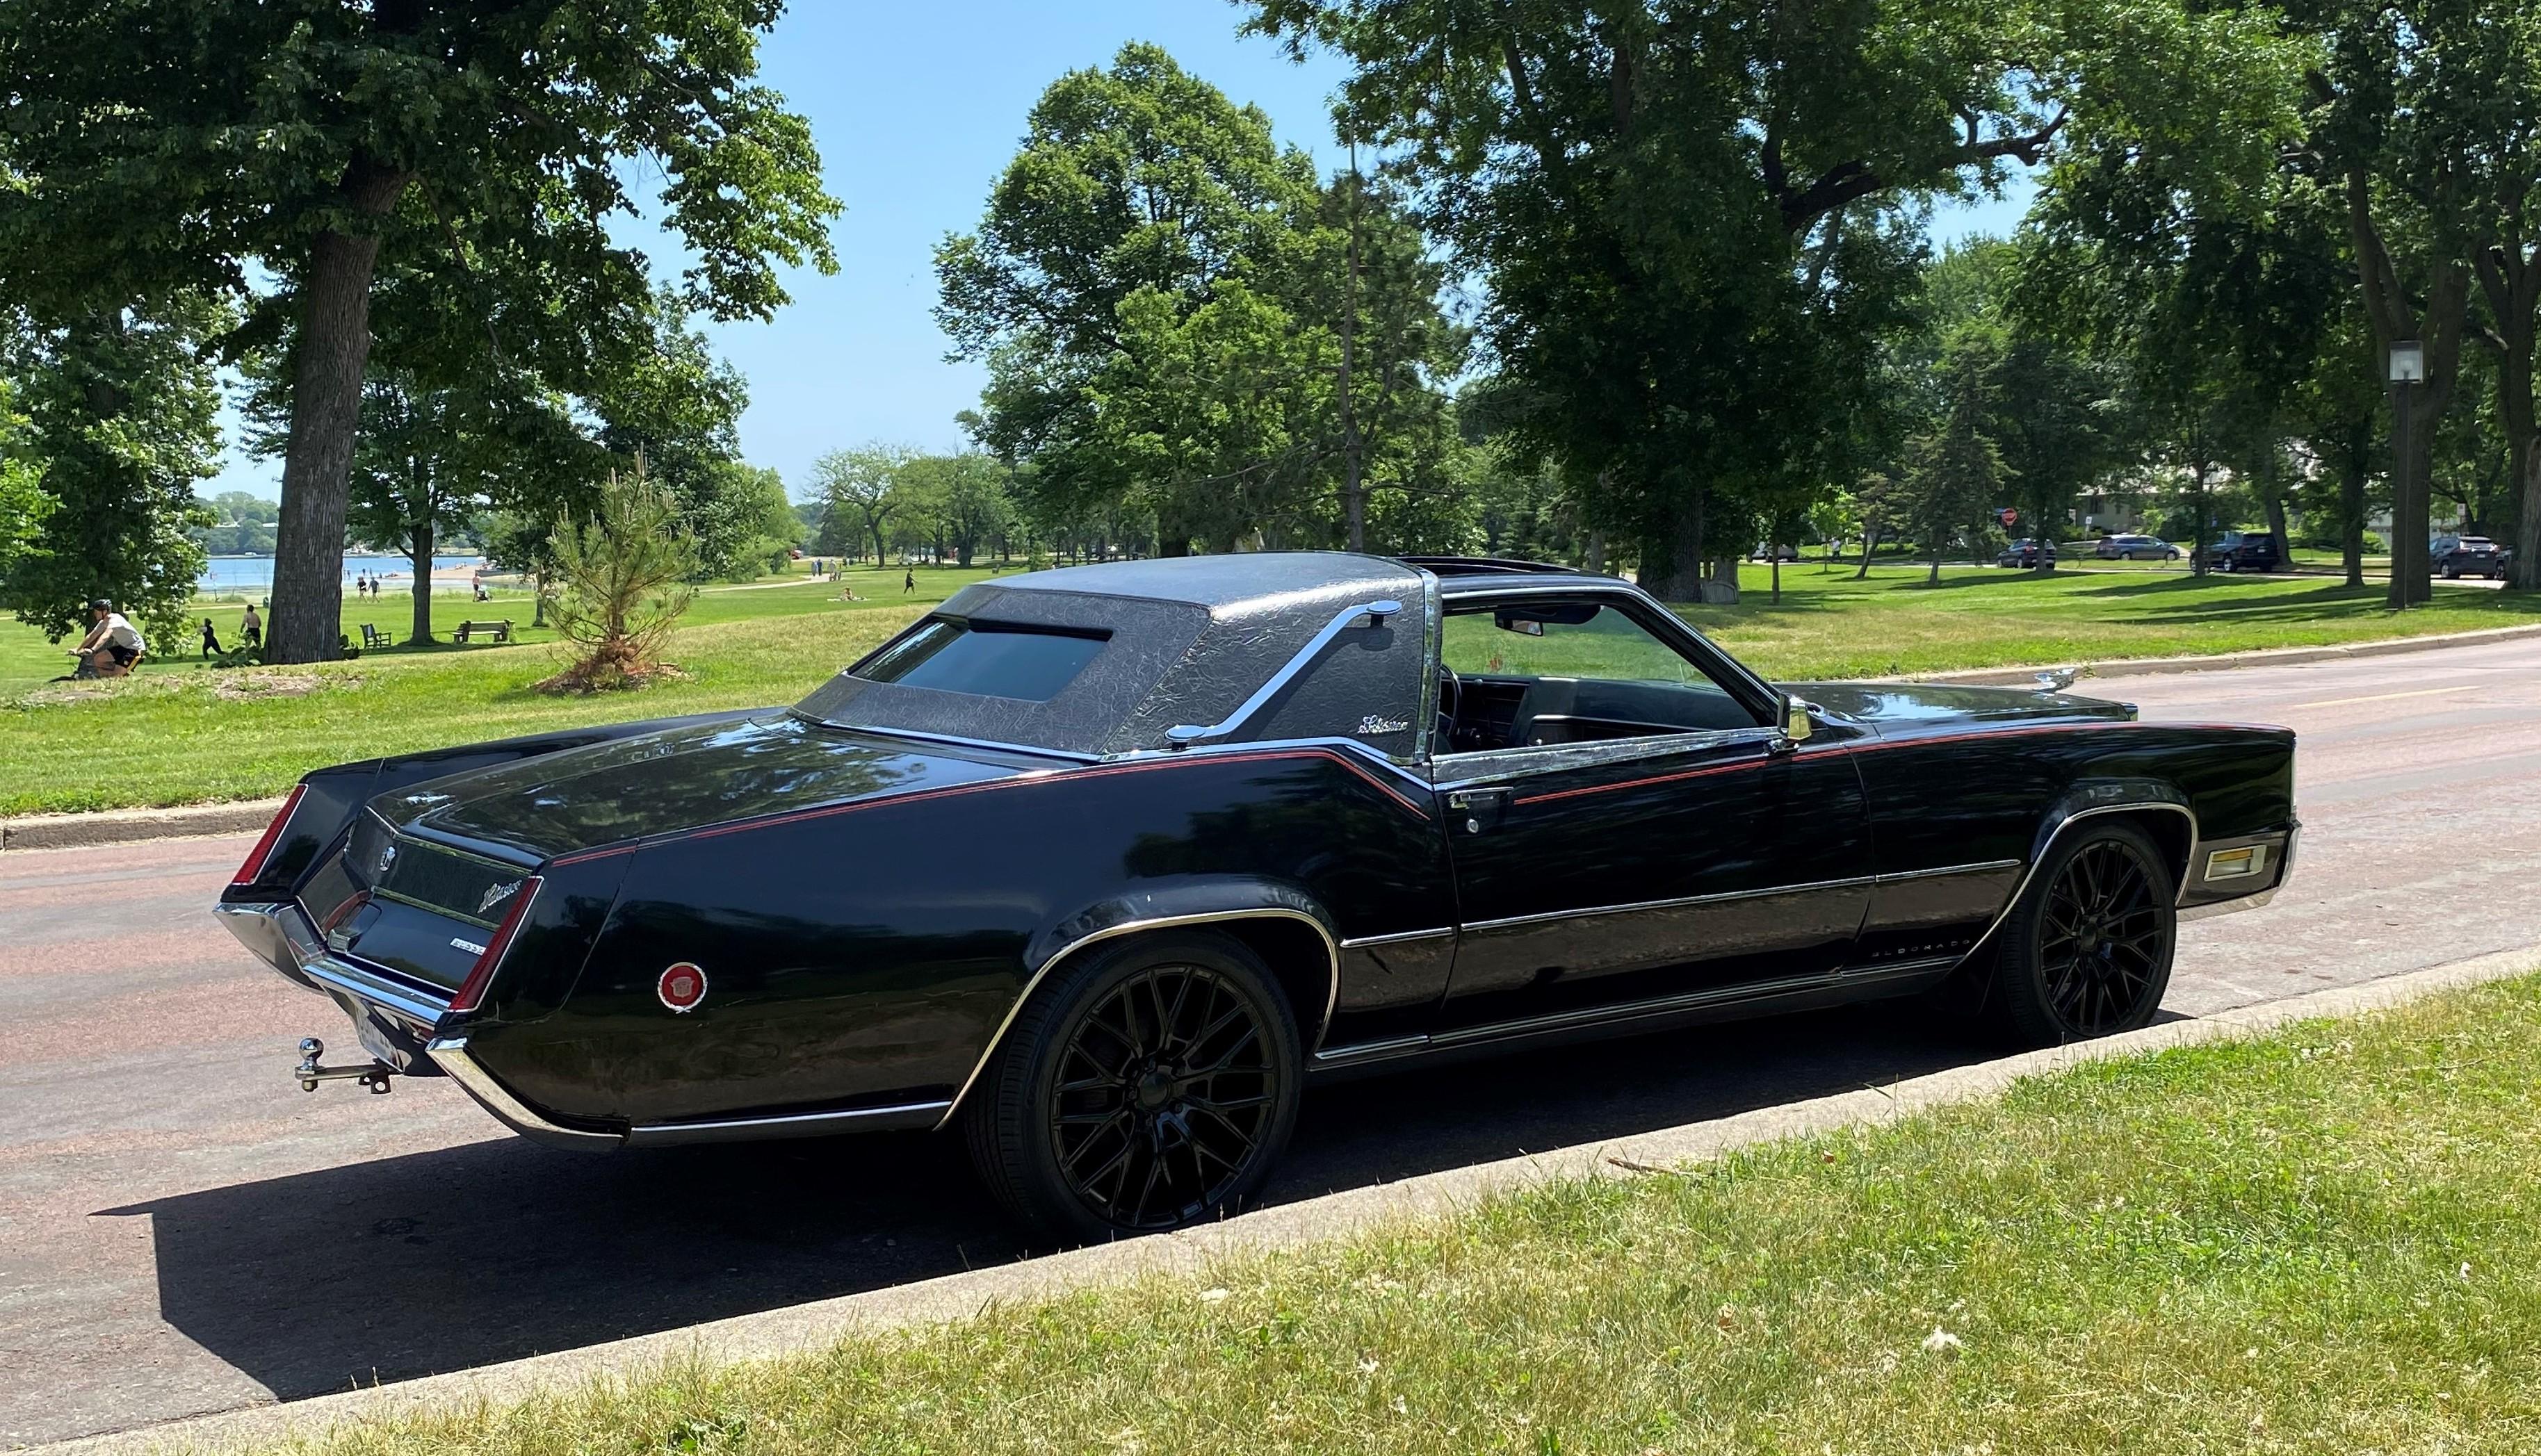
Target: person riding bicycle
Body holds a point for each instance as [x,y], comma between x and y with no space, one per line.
[112,644]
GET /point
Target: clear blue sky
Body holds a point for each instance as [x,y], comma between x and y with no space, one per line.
[916,109]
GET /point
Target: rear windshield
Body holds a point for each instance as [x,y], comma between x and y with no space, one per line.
[989,659]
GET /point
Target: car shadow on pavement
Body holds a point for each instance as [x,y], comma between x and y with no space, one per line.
[443,1261]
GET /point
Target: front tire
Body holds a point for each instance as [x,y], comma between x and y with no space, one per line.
[1148,1087]
[2087,950]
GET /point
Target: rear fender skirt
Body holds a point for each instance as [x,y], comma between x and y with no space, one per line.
[1202,902]
[2089,800]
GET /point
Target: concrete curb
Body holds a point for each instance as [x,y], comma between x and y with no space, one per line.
[123,826]
[811,1326]
[2275,657]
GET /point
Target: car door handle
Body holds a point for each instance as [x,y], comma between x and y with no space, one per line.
[1472,810]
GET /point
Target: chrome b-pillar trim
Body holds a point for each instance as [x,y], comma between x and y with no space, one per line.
[1186,735]
[450,1054]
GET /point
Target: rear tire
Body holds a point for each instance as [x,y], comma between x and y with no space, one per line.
[1147,1086]
[2087,950]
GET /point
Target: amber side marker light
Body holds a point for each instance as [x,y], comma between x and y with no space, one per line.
[472,992]
[2249,859]
[255,858]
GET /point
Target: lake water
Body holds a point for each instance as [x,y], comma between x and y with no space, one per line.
[233,575]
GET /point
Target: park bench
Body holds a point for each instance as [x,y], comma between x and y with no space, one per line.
[373,637]
[500,630]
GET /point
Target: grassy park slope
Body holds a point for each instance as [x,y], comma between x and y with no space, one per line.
[179,733]
[2325,1241]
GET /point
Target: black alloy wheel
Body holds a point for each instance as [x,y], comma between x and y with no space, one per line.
[1149,1087]
[2087,950]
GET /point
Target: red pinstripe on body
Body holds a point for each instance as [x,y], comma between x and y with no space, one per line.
[1051,775]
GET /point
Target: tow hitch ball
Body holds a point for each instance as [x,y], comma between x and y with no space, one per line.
[374,1076]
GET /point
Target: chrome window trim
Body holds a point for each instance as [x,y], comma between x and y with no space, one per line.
[1433,648]
[1032,983]
[1189,734]
[451,1055]
[952,740]
[1594,755]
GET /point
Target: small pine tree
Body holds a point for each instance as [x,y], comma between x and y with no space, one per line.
[1954,474]
[622,581]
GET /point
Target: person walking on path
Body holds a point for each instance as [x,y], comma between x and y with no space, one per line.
[211,640]
[252,628]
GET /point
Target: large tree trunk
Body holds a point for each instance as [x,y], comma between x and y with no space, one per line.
[1870,543]
[1672,559]
[420,632]
[2273,502]
[327,358]
[2410,522]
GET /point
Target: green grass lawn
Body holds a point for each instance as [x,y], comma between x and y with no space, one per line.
[2327,1241]
[181,733]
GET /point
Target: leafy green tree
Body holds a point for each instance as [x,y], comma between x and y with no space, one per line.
[964,496]
[243,524]
[1956,473]
[860,488]
[1693,220]
[23,502]
[1142,223]
[120,411]
[171,145]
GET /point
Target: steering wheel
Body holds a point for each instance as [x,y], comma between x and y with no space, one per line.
[1451,696]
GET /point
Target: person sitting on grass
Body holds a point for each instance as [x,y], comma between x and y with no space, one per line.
[112,645]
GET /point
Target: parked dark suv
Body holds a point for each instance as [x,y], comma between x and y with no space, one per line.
[2246,551]
[2023,553]
[2456,557]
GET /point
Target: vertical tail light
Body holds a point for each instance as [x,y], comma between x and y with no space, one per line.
[472,992]
[255,858]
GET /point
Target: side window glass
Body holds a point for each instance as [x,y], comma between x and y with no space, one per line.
[1536,673]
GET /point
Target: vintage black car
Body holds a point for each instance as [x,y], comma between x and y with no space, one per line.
[1100,865]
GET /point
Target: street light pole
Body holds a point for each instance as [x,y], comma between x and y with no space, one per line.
[2408,525]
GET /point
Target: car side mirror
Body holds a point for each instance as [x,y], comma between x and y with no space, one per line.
[1796,726]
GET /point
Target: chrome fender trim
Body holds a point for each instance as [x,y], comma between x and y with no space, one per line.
[787,1125]
[2046,841]
[451,1055]
[1331,995]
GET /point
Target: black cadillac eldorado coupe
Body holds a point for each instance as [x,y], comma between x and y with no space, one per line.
[1100,865]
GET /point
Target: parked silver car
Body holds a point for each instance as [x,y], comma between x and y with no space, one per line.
[2136,549]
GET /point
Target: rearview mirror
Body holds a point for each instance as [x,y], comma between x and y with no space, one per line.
[1531,620]
[1795,721]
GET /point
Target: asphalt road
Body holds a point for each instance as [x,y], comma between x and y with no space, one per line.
[183,1231]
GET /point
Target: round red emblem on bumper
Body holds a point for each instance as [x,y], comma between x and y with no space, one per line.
[681,987]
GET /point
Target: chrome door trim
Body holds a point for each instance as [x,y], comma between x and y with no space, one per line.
[1562,757]
[1986,866]
[1186,735]
[1678,903]
[1331,995]
[451,1055]
[1397,937]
